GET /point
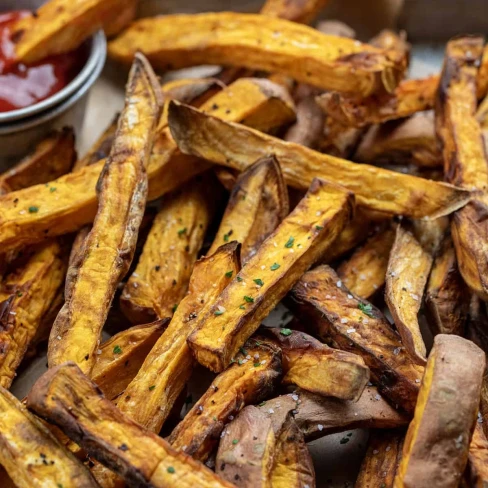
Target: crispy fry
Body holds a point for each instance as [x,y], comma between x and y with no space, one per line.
[408,270]
[120,358]
[257,205]
[356,326]
[446,296]
[229,38]
[109,247]
[246,451]
[315,367]
[31,455]
[445,416]
[253,377]
[465,158]
[296,10]
[309,126]
[163,271]
[375,188]
[68,399]
[285,255]
[26,295]
[381,460]
[365,271]
[252,101]
[477,472]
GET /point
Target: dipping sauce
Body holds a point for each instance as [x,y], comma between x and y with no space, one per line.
[21,85]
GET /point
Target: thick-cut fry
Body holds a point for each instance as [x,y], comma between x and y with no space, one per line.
[120,358]
[163,271]
[308,128]
[435,452]
[53,157]
[26,295]
[381,461]
[31,455]
[247,449]
[262,43]
[59,26]
[257,205]
[477,471]
[446,295]
[354,325]
[30,215]
[406,277]
[68,399]
[110,246]
[365,271]
[465,157]
[254,375]
[375,188]
[268,275]
[295,10]
[318,416]
[315,367]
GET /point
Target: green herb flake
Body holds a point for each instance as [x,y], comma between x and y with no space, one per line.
[318,227]
[259,281]
[52,189]
[151,388]
[289,243]
[218,312]
[239,362]
[285,332]
[117,350]
[239,279]
[344,440]
[171,470]
[214,419]
[33,209]
[257,364]
[274,267]
[242,307]
[366,308]
[174,308]
[243,351]
[262,404]
[235,441]
[228,274]
[182,231]
[226,236]
[19,294]
[248,299]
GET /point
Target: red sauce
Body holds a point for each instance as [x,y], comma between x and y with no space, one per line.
[21,85]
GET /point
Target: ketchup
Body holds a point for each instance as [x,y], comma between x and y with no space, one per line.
[21,85]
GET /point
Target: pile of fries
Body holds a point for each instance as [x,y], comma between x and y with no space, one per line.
[310,173]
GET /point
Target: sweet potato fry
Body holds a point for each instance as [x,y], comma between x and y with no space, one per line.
[163,271]
[253,376]
[30,215]
[257,205]
[250,41]
[315,367]
[381,461]
[31,455]
[246,450]
[120,358]
[68,399]
[268,275]
[446,295]
[365,271]
[465,158]
[109,247]
[408,270]
[300,11]
[477,471]
[445,416]
[354,325]
[236,146]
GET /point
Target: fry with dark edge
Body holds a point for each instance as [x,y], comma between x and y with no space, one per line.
[348,323]
[284,256]
[381,461]
[257,205]
[315,367]
[67,398]
[302,11]
[465,158]
[31,455]
[109,248]
[261,43]
[236,146]
[253,376]
[445,416]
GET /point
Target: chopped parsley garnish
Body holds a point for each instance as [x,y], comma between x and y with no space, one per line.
[290,242]
[259,281]
[344,440]
[257,364]
[248,299]
[171,470]
[228,274]
[174,308]
[318,227]
[239,279]
[285,332]
[366,308]
[19,294]
[274,267]
[218,312]
[235,441]
[242,307]
[33,209]
[117,350]
[226,236]
[151,388]
[182,231]
[243,351]
[262,404]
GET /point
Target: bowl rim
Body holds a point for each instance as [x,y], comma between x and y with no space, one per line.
[39,119]
[98,50]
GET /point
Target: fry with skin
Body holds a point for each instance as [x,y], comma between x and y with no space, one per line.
[286,254]
[356,326]
[109,248]
[31,455]
[236,146]
[163,271]
[477,470]
[67,398]
[120,357]
[245,381]
[252,101]
[300,11]
[250,41]
[309,126]
[257,205]
[445,416]
[465,158]
[315,367]
[365,271]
